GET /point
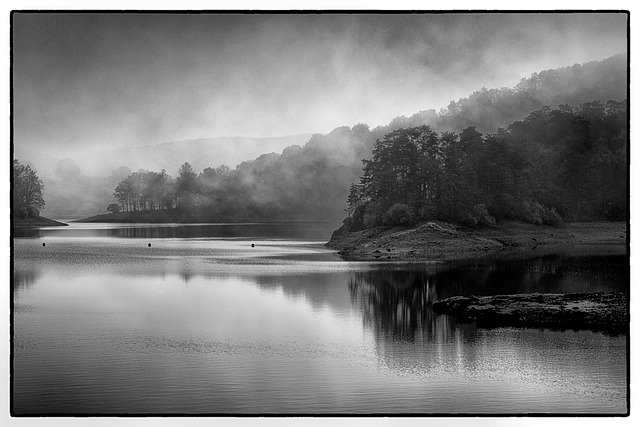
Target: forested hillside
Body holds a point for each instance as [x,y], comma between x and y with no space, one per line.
[564,163]
[554,158]
[490,109]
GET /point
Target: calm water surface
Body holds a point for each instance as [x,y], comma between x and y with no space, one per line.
[201,322]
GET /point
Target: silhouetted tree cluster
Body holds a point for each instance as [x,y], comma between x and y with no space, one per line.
[568,162]
[144,190]
[27,201]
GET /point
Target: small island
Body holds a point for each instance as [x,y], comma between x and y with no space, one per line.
[604,312]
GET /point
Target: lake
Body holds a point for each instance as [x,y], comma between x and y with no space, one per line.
[263,319]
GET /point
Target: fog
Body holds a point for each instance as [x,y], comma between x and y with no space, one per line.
[105,90]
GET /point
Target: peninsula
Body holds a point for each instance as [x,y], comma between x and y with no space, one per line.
[444,241]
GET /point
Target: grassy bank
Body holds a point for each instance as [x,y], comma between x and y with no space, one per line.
[36,222]
[445,241]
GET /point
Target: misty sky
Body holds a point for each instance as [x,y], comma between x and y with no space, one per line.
[105,80]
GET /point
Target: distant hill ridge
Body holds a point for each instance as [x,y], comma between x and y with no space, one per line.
[201,153]
[490,109]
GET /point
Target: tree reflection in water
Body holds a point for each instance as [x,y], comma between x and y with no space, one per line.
[397,302]
[24,277]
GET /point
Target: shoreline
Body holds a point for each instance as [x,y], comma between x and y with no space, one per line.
[36,222]
[182,217]
[442,241]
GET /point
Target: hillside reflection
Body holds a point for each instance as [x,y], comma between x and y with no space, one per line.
[397,303]
[293,230]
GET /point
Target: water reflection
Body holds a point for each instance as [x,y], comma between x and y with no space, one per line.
[318,289]
[553,273]
[397,303]
[24,277]
[27,232]
[394,303]
[315,231]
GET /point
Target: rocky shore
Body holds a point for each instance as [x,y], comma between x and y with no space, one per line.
[605,312]
[440,241]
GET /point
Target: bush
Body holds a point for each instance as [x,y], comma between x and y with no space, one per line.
[482,214]
[357,218]
[371,220]
[478,215]
[469,220]
[21,213]
[552,217]
[534,213]
[113,208]
[398,214]
[32,212]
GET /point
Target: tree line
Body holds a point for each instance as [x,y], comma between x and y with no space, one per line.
[564,163]
[301,183]
[490,109]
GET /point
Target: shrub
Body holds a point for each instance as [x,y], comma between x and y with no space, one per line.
[469,220]
[357,218]
[113,208]
[482,214]
[478,215]
[32,212]
[21,213]
[374,215]
[398,214]
[532,212]
[370,220]
[552,217]
[537,214]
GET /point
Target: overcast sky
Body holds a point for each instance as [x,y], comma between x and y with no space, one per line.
[100,80]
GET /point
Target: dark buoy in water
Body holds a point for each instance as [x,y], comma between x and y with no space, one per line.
[43,244]
[253,246]
[149,244]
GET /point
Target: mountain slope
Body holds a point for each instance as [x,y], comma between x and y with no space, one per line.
[490,109]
